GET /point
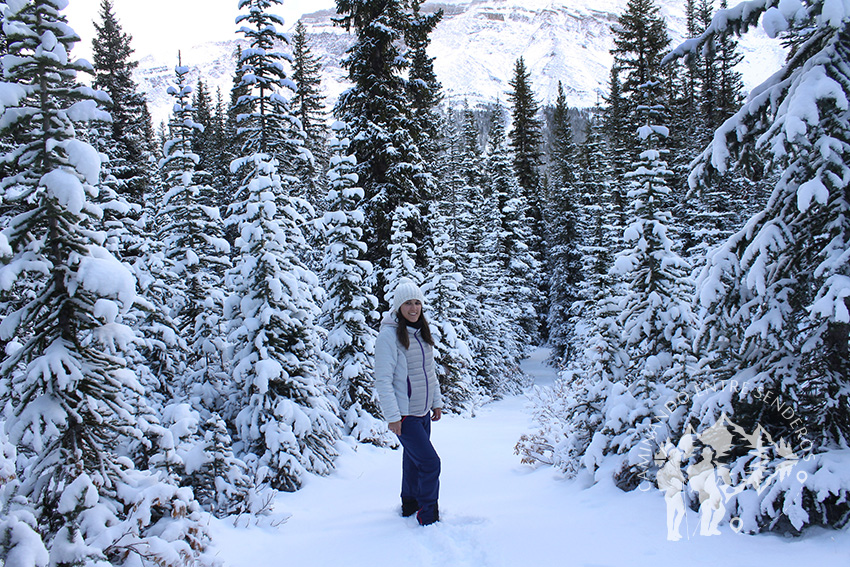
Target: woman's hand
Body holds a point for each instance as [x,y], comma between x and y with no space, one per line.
[436,414]
[395,427]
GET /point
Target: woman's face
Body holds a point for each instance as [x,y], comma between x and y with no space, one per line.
[411,310]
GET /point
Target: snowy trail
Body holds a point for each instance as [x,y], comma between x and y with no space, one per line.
[495,512]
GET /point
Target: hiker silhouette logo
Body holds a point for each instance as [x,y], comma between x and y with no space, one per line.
[699,470]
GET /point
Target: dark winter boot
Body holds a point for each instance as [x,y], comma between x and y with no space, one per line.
[409,506]
[428,515]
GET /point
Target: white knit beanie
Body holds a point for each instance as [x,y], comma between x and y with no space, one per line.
[405,291]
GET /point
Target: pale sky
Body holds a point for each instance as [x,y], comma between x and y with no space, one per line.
[162,27]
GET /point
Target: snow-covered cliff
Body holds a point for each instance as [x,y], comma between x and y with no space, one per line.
[475,47]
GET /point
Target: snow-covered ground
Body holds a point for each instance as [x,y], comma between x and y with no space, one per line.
[495,512]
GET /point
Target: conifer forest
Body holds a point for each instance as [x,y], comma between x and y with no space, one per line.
[189,309]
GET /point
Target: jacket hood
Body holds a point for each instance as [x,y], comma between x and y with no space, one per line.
[389,319]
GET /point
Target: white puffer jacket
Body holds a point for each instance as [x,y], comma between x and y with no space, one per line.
[405,379]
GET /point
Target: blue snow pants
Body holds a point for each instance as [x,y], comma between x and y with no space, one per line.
[420,464]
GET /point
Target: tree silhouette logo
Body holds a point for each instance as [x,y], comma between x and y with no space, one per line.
[699,466]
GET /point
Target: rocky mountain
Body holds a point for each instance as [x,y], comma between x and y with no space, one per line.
[475,47]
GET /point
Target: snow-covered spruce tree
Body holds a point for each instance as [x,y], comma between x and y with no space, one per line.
[383,133]
[446,307]
[513,259]
[308,101]
[232,136]
[229,488]
[308,104]
[468,202]
[640,42]
[402,249]
[601,236]
[126,143]
[199,453]
[618,141]
[263,82]
[423,87]
[72,401]
[525,140]
[477,215]
[729,94]
[209,143]
[452,257]
[350,307]
[283,415]
[219,168]
[782,281]
[123,138]
[196,252]
[191,263]
[451,190]
[495,311]
[161,350]
[563,236]
[656,319]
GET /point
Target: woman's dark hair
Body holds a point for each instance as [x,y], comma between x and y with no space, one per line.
[402,334]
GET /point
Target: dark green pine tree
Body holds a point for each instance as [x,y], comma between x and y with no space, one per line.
[640,43]
[308,104]
[526,143]
[691,91]
[563,235]
[233,139]
[423,88]
[687,116]
[220,176]
[690,100]
[615,129]
[614,114]
[526,138]
[203,139]
[379,115]
[123,140]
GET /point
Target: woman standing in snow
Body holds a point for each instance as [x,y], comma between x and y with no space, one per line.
[410,398]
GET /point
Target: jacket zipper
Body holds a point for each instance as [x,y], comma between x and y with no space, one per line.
[424,371]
